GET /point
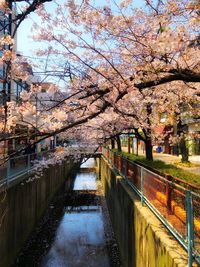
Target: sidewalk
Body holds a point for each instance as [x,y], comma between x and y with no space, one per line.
[171,159]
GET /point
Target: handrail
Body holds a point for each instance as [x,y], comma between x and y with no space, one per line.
[194,186]
[17,166]
[174,205]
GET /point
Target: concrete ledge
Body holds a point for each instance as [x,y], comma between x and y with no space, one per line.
[143,240]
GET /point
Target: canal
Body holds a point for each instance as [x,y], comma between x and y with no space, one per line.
[76,230]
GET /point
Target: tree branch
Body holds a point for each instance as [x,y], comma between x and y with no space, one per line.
[183,75]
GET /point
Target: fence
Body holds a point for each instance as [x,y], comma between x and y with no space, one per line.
[15,167]
[175,206]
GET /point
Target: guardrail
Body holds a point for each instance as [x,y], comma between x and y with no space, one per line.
[176,207]
[16,167]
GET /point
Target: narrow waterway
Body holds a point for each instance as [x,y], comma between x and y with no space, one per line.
[79,234]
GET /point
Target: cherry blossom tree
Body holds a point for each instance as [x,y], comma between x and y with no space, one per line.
[141,58]
[135,62]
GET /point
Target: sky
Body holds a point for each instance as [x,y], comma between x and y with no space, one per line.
[26,45]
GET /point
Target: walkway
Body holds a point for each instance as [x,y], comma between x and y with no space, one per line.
[171,159]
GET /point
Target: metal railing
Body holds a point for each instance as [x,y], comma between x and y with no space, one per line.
[176,207]
[16,167]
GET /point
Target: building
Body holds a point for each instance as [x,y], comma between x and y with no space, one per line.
[5,28]
[11,85]
[46,97]
[17,86]
[190,117]
[10,89]
[6,85]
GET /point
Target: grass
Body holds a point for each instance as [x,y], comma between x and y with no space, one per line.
[186,164]
[162,167]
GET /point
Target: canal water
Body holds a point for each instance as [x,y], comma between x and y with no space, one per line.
[79,234]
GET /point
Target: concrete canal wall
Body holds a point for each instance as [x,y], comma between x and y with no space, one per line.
[142,239]
[21,207]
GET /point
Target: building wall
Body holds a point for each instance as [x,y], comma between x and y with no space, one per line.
[194,143]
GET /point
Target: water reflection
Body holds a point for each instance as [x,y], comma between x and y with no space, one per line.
[80,238]
[88,163]
[85,181]
[79,242]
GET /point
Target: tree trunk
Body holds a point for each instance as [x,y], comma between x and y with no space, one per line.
[129,144]
[148,134]
[119,143]
[184,150]
[149,149]
[136,147]
[112,143]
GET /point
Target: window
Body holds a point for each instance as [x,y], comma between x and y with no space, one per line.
[15,89]
[18,88]
[1,95]
[43,90]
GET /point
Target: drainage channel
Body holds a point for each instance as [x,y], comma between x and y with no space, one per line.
[76,231]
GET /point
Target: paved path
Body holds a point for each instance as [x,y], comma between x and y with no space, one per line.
[174,159]
[171,159]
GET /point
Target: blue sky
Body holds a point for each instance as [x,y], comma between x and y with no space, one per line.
[26,45]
